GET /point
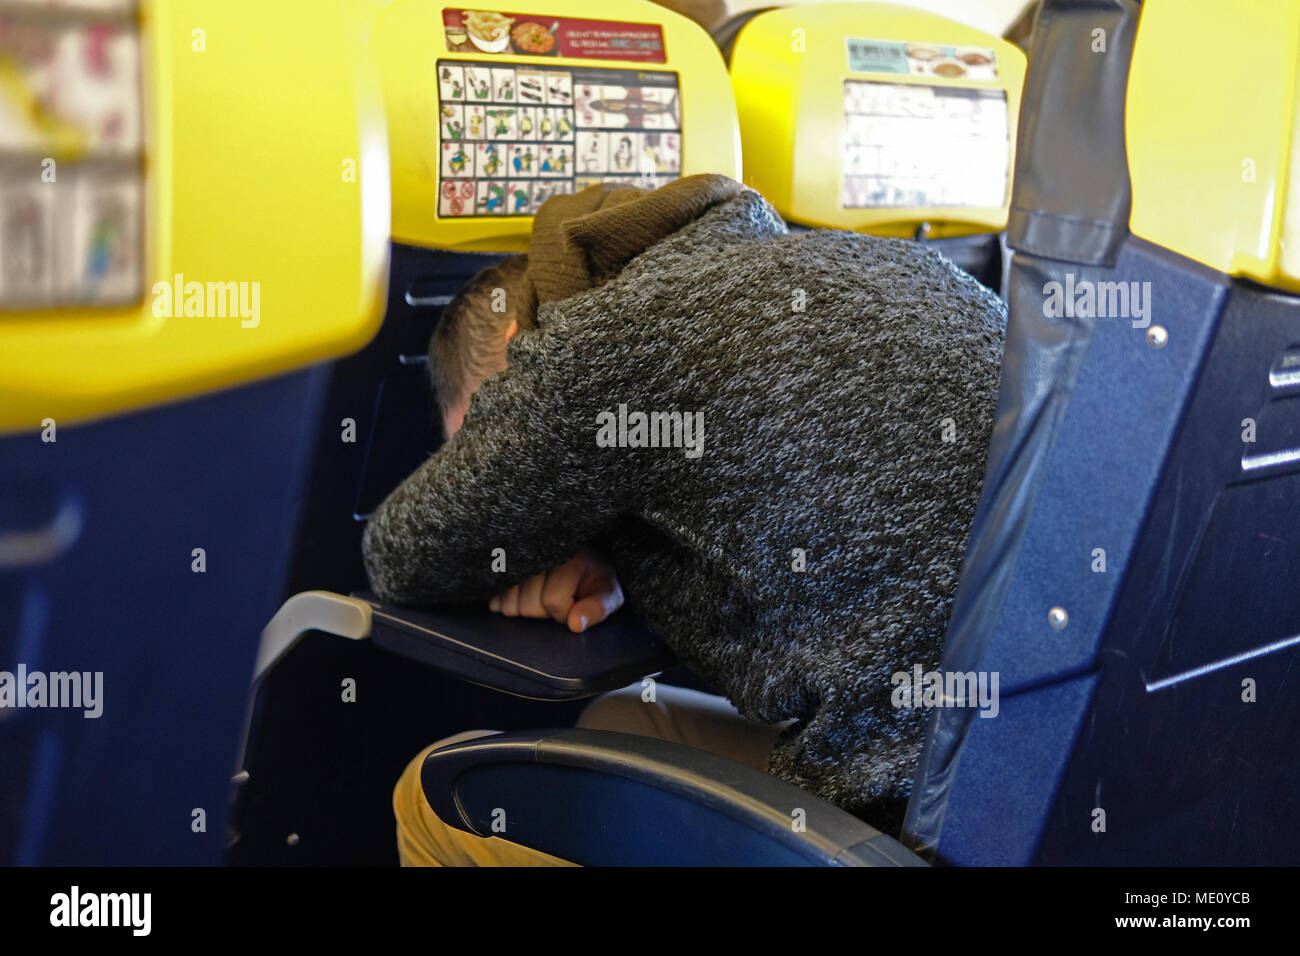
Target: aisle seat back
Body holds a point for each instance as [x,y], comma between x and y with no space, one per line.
[1130,572]
[878,118]
[490,114]
[194,206]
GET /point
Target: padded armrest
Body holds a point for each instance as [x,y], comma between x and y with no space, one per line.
[521,656]
[607,799]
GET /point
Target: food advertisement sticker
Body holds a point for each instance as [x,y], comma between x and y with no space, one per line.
[921,59]
[522,34]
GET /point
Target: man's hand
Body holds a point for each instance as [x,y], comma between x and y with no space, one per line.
[579,593]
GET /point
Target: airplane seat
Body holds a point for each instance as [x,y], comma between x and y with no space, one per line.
[790,102]
[1130,571]
[892,195]
[372,426]
[881,119]
[1129,574]
[611,799]
[466,172]
[164,293]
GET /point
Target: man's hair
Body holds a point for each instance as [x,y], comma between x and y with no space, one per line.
[469,345]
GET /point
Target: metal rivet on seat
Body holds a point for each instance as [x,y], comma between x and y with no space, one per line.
[1157,336]
[1058,618]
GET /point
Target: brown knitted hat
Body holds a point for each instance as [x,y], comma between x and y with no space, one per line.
[582,240]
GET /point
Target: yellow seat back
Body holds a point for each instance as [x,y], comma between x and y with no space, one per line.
[490,113]
[194,195]
[1213,135]
[876,117]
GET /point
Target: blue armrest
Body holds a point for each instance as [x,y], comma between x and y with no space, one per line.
[607,799]
[525,657]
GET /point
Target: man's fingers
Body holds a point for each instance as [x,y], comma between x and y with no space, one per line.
[595,606]
[510,601]
[561,586]
[579,593]
[530,597]
[597,577]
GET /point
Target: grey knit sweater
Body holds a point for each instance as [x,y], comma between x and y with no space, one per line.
[847,386]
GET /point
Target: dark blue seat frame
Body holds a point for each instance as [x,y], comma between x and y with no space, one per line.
[1126,736]
[98,574]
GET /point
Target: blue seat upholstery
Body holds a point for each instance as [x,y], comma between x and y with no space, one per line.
[1127,571]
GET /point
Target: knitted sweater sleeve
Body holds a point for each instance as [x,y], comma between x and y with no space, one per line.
[515,492]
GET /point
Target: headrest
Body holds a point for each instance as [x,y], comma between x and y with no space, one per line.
[877,117]
[1213,154]
[542,102]
[204,203]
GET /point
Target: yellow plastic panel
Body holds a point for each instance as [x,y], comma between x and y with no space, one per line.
[805,80]
[676,61]
[265,197]
[1211,132]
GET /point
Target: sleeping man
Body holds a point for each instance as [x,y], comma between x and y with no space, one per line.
[772,444]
